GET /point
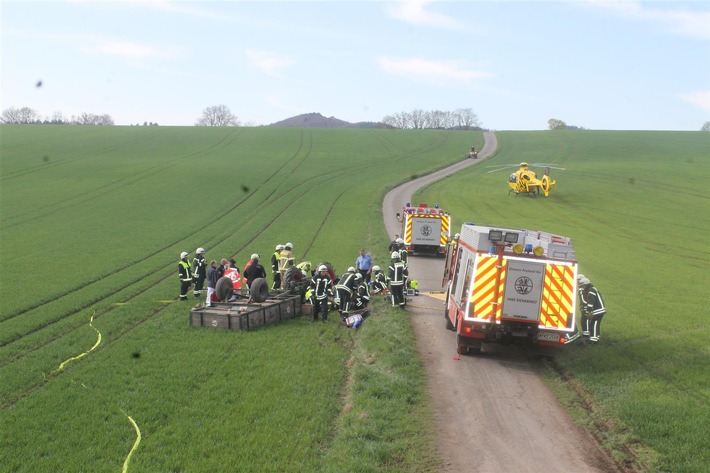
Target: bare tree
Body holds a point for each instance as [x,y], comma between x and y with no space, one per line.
[22,115]
[466,118]
[705,127]
[218,115]
[417,118]
[556,124]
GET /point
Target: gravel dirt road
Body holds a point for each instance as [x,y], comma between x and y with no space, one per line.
[493,412]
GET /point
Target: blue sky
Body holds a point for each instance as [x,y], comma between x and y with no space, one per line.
[619,65]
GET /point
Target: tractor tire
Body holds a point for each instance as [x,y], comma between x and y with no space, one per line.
[224,289]
[259,290]
[293,278]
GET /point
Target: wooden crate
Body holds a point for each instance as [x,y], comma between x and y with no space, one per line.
[241,315]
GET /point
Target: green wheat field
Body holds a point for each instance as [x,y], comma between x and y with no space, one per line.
[95,347]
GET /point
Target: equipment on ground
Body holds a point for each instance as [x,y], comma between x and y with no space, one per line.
[424,229]
[526,181]
[510,286]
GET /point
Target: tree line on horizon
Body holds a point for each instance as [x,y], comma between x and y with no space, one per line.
[221,115]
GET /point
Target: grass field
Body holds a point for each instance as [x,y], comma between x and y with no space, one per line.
[637,206]
[92,221]
[93,339]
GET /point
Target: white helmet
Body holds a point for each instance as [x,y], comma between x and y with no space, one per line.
[351,269]
[584,281]
[580,276]
[400,241]
[322,268]
[184,255]
[358,276]
[288,246]
[376,268]
[255,257]
[279,247]
[394,255]
[200,250]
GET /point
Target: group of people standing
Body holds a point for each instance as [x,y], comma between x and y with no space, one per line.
[198,272]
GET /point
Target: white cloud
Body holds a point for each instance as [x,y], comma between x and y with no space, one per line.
[268,61]
[431,71]
[694,24]
[700,99]
[415,12]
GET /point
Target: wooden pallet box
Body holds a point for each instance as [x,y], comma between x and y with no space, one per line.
[243,315]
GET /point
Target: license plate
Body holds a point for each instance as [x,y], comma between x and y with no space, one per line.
[548,336]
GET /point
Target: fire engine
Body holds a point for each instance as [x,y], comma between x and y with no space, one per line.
[425,229]
[510,286]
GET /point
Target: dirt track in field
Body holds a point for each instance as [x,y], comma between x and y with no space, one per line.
[493,412]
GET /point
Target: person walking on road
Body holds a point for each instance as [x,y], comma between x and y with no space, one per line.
[199,271]
[185,274]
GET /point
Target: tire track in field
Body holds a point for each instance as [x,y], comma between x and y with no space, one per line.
[130,265]
[45,166]
[111,187]
[120,333]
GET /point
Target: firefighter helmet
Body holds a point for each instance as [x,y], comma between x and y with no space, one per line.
[584,281]
[376,268]
[351,269]
[200,250]
[358,276]
[255,257]
[184,255]
[288,246]
[394,255]
[322,268]
[400,241]
[279,247]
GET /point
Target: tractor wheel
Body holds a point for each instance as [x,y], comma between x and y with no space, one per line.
[293,278]
[224,289]
[259,290]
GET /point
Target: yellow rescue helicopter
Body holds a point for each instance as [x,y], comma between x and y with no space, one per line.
[526,181]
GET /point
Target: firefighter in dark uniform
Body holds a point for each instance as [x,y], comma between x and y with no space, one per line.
[403,254]
[397,276]
[321,287]
[185,274]
[379,280]
[199,271]
[275,267]
[593,309]
[362,293]
[345,288]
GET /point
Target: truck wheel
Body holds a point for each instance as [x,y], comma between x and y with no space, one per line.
[224,289]
[259,290]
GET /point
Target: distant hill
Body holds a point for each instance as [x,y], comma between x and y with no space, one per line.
[316,120]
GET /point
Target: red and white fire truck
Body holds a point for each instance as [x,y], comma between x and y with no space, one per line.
[510,286]
[425,229]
